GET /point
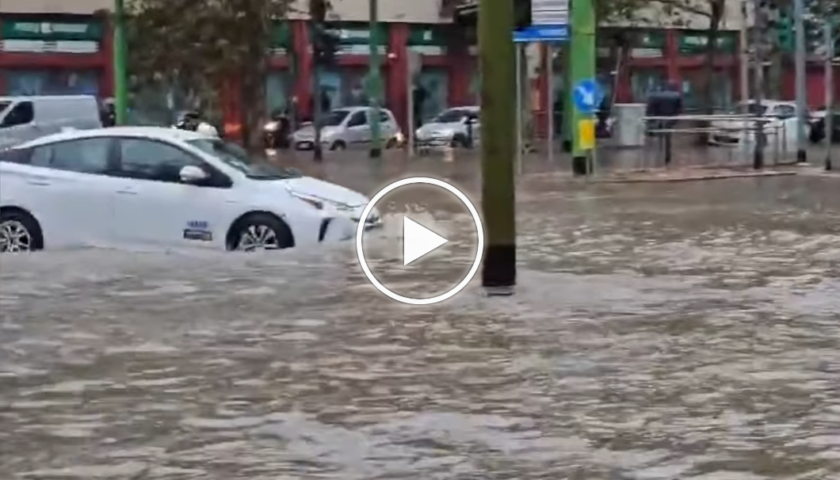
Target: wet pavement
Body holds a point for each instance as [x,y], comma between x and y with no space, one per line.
[659,331]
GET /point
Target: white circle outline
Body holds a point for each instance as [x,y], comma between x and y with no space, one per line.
[360,231]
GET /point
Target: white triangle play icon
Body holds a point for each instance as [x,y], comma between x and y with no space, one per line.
[418,240]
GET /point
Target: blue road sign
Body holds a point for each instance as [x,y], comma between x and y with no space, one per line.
[587,95]
[542,33]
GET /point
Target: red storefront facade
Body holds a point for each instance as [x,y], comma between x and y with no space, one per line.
[55,54]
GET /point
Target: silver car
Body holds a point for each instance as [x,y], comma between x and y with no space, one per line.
[456,127]
[346,127]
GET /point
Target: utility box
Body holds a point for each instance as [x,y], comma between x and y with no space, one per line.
[629,129]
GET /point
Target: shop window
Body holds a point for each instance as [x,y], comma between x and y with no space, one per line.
[692,89]
[645,81]
[277,91]
[51,82]
[433,84]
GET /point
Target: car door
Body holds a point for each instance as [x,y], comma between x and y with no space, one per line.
[18,124]
[783,130]
[66,186]
[153,206]
[358,127]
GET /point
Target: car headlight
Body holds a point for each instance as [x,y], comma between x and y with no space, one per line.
[322,203]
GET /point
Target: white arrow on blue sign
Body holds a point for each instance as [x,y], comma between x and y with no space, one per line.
[542,33]
[587,95]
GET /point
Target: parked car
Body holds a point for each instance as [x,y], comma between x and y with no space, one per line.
[455,127]
[782,121]
[26,118]
[164,187]
[346,127]
[817,131]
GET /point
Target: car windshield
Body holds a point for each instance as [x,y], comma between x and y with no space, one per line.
[752,108]
[452,116]
[236,157]
[335,118]
[3,105]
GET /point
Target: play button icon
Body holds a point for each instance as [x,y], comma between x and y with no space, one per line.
[418,241]
[417,277]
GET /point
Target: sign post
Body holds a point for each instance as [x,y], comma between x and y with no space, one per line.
[415,63]
[586,95]
[549,25]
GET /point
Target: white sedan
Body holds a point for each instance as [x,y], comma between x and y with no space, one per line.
[164,187]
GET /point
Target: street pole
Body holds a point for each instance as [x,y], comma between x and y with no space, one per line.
[582,53]
[549,146]
[829,85]
[519,48]
[374,80]
[745,69]
[120,64]
[758,86]
[498,110]
[317,148]
[801,100]
[745,58]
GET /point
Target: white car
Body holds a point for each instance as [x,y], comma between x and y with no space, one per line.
[164,187]
[451,128]
[345,127]
[782,122]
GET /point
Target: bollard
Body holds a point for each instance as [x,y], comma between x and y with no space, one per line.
[448,154]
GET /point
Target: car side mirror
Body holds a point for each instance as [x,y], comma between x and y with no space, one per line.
[193,174]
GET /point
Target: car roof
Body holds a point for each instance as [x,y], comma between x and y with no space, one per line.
[157,133]
[15,98]
[356,109]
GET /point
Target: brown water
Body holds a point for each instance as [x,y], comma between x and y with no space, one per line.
[684,331]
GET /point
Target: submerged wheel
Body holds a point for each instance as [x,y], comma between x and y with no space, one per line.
[19,232]
[260,231]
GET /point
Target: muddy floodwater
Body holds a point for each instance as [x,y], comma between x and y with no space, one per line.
[658,332]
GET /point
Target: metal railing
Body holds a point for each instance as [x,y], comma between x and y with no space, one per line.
[712,141]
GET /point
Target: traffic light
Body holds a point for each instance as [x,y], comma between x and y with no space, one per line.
[784,30]
[325,44]
[522,14]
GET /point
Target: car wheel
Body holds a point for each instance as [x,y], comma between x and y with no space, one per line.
[339,145]
[19,232]
[391,143]
[260,231]
[458,142]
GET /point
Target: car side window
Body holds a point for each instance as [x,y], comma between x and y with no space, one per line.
[384,117]
[784,111]
[87,155]
[145,159]
[21,114]
[358,119]
[16,155]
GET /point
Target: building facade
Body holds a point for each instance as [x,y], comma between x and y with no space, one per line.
[64,46]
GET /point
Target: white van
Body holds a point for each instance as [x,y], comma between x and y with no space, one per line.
[27,118]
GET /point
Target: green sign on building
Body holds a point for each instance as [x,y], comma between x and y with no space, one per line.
[281,39]
[427,40]
[354,38]
[648,44]
[695,43]
[51,31]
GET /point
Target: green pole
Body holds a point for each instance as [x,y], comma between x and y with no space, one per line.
[582,57]
[497,57]
[120,64]
[374,81]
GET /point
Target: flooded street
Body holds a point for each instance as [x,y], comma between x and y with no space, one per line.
[659,332]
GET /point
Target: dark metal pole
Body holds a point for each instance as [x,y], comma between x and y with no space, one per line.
[758,86]
[317,150]
[498,144]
